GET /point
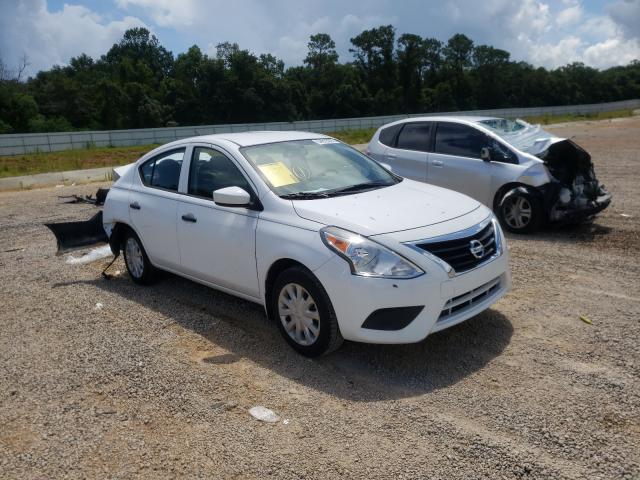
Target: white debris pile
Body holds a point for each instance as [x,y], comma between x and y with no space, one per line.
[264,414]
[97,253]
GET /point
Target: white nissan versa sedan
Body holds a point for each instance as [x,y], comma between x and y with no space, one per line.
[526,175]
[330,242]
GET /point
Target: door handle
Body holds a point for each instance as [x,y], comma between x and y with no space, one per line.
[391,155]
[134,205]
[189,218]
[437,163]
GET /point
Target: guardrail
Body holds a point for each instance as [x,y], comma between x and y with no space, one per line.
[16,144]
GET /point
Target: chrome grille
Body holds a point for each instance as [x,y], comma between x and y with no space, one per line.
[467,300]
[457,252]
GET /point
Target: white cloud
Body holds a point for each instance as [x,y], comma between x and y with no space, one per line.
[565,51]
[622,50]
[532,17]
[50,38]
[165,13]
[544,32]
[626,14]
[569,16]
[556,33]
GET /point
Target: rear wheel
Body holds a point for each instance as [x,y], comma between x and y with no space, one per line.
[304,313]
[520,212]
[136,260]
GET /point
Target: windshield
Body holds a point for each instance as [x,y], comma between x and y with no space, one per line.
[317,168]
[504,125]
[518,133]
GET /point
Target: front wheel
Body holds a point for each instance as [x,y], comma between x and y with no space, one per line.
[520,212]
[136,260]
[304,314]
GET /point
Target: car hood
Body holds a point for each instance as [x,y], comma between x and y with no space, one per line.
[533,139]
[406,205]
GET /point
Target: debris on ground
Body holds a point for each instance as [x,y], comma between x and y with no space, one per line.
[264,414]
[98,306]
[98,200]
[97,253]
[586,319]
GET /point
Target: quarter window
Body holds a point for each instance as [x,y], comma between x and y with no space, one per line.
[415,136]
[388,135]
[460,140]
[163,171]
[211,170]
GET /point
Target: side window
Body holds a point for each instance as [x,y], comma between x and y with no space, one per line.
[211,170]
[460,140]
[501,153]
[163,171]
[414,136]
[388,135]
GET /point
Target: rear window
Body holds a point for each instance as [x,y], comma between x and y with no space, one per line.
[388,135]
[414,136]
[163,171]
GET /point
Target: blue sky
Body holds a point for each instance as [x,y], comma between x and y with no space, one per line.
[543,32]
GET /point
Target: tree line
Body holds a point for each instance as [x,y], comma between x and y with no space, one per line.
[138,83]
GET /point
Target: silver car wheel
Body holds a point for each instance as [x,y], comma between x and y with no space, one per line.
[517,212]
[134,258]
[299,314]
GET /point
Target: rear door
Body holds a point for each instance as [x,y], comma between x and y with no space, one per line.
[217,244]
[455,162]
[153,204]
[408,154]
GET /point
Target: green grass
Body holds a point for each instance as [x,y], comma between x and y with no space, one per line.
[94,157]
[45,162]
[549,119]
[354,137]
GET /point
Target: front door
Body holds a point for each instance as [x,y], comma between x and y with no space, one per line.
[217,244]
[455,162]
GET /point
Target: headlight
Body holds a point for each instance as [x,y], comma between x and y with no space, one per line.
[366,257]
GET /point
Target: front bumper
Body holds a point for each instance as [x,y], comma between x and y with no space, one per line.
[575,210]
[580,212]
[356,298]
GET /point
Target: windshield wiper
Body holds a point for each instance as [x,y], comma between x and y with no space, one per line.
[304,195]
[359,187]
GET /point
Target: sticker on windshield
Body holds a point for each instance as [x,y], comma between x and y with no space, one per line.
[324,141]
[278,174]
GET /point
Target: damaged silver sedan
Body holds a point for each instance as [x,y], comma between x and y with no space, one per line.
[526,174]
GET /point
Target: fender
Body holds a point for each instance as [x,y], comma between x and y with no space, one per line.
[521,189]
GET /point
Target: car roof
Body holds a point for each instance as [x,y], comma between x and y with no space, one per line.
[445,118]
[245,139]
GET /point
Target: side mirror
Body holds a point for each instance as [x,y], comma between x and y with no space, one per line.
[485,154]
[232,197]
[386,165]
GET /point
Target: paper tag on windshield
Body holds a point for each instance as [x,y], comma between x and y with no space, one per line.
[324,141]
[278,174]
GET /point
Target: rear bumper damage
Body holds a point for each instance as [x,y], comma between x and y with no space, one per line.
[76,235]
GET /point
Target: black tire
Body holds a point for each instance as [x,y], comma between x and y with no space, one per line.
[328,338]
[513,208]
[139,268]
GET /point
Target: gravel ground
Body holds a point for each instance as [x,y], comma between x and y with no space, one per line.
[157,382]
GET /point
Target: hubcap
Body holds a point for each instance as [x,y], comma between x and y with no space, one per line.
[299,314]
[134,258]
[517,212]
